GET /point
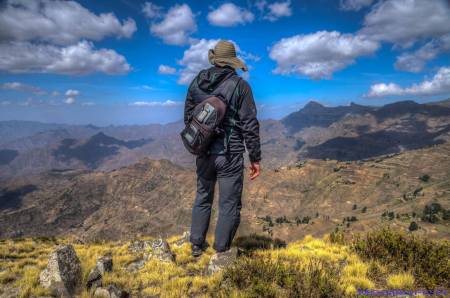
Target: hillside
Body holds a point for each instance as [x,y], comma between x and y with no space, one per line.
[312,197]
[343,133]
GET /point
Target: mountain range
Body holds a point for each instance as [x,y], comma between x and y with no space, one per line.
[314,132]
[311,197]
[350,168]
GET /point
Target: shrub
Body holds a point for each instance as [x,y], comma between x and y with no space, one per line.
[355,207]
[263,277]
[253,242]
[431,212]
[427,260]
[413,226]
[425,178]
[364,210]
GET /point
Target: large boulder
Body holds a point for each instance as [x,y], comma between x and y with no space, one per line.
[103,264]
[111,291]
[63,273]
[221,260]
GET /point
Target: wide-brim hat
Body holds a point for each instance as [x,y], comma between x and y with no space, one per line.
[224,54]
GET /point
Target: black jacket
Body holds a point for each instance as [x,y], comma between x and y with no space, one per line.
[240,122]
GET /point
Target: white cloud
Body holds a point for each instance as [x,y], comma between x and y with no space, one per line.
[319,54]
[88,103]
[278,10]
[167,103]
[151,10]
[17,86]
[195,58]
[439,84]
[58,22]
[228,15]
[415,61]
[176,26]
[165,69]
[5,103]
[261,5]
[80,58]
[69,100]
[403,22]
[72,93]
[55,93]
[354,5]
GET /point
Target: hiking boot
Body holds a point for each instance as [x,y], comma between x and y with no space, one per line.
[197,250]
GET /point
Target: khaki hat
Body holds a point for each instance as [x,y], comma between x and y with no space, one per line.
[224,54]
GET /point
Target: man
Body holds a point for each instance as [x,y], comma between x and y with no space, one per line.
[224,161]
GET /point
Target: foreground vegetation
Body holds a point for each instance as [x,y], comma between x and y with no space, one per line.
[311,267]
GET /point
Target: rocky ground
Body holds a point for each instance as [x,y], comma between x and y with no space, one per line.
[257,267]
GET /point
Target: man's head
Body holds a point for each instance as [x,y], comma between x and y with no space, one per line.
[224,54]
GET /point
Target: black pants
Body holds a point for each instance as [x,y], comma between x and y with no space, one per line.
[228,170]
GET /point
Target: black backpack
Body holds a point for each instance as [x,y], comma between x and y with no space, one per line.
[206,120]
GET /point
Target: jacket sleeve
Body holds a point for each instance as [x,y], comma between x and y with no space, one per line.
[249,122]
[189,106]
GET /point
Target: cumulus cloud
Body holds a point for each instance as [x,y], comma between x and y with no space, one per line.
[319,54]
[228,15]
[354,5]
[195,58]
[439,84]
[69,100]
[72,93]
[58,22]
[165,69]
[151,10]
[80,58]
[403,22]
[416,61]
[277,10]
[167,103]
[17,86]
[176,26]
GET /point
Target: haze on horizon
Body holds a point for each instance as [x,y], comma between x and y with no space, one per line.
[131,61]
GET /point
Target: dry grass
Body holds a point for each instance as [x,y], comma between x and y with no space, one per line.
[318,266]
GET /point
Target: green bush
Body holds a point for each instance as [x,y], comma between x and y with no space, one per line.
[425,178]
[413,226]
[265,278]
[427,260]
[253,242]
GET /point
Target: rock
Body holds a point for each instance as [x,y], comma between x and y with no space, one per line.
[184,239]
[136,265]
[63,273]
[111,291]
[221,260]
[161,251]
[103,264]
[140,246]
[157,249]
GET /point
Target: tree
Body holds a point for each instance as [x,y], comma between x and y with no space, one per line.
[413,226]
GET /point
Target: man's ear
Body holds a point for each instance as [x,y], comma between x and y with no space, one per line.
[211,56]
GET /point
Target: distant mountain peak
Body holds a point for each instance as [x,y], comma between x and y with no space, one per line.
[313,105]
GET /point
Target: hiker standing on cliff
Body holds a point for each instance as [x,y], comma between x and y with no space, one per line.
[223,161]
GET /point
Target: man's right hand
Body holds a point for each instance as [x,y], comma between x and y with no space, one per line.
[255,170]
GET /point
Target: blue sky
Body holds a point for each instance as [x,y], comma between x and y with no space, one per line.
[129,62]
